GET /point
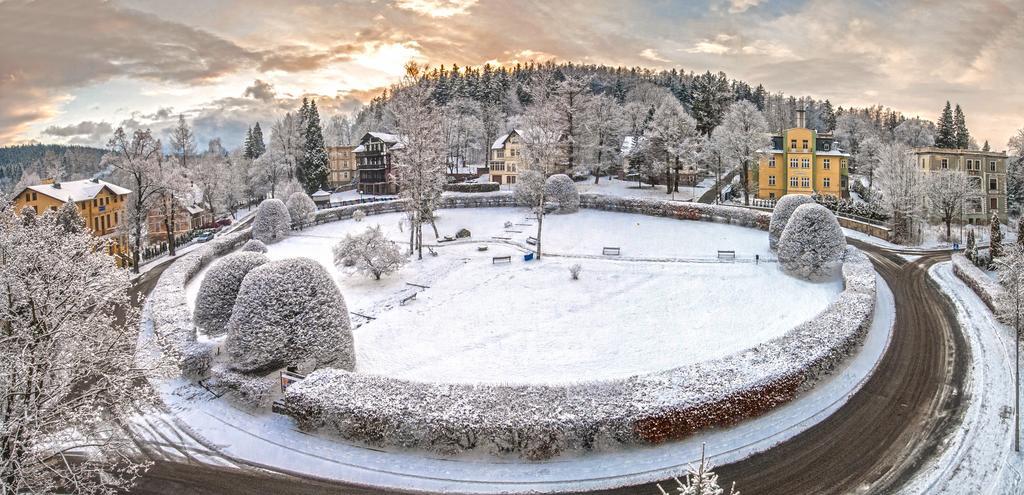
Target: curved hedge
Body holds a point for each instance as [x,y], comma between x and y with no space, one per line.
[473,187]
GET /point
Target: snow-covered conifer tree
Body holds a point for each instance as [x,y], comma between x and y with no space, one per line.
[945,133]
[995,237]
[561,190]
[971,246]
[700,480]
[812,244]
[301,207]
[315,165]
[219,289]
[272,221]
[70,219]
[784,209]
[289,312]
[370,252]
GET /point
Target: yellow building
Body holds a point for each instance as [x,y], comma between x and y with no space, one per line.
[100,203]
[342,160]
[803,161]
[506,157]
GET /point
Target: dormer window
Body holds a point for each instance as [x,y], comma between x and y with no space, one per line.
[826,146]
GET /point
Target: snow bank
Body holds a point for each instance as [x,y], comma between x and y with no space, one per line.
[542,421]
[987,288]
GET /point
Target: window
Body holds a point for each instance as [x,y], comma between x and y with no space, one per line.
[843,163]
[793,163]
[510,179]
[771,162]
[792,144]
[992,166]
[34,197]
[993,184]
[826,182]
[826,146]
[499,154]
[945,163]
[805,163]
[805,145]
[826,164]
[805,182]
[993,204]
[792,182]
[771,180]
[771,195]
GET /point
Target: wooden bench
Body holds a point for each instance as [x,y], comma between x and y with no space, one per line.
[418,285]
[727,256]
[531,241]
[501,259]
[500,238]
[406,299]
[611,251]
[363,316]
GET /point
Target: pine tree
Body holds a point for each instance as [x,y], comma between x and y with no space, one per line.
[961,135]
[828,116]
[986,146]
[247,148]
[971,246]
[945,135]
[258,146]
[314,167]
[995,247]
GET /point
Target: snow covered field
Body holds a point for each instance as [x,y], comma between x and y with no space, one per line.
[630,189]
[527,322]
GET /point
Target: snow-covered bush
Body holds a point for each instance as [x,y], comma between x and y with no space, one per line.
[219,289]
[679,210]
[358,215]
[273,221]
[987,289]
[301,207]
[812,244]
[254,246]
[287,312]
[253,391]
[784,208]
[561,190]
[529,188]
[370,252]
[574,271]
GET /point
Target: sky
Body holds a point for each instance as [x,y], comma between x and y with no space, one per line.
[73,71]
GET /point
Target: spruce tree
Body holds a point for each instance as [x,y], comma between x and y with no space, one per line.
[986,147]
[961,135]
[828,116]
[314,167]
[945,133]
[995,243]
[971,247]
[258,146]
[247,148]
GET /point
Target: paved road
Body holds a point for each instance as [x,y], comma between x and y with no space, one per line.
[873,444]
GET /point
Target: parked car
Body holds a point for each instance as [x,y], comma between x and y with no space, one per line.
[224,222]
[205,236]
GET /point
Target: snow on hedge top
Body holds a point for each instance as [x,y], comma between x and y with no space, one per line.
[784,208]
[812,244]
[289,311]
[217,293]
[254,246]
[560,189]
[301,207]
[272,221]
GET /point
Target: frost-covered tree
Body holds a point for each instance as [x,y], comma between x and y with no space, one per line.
[995,237]
[212,174]
[960,132]
[175,194]
[916,133]
[358,215]
[183,142]
[561,190]
[420,161]
[602,134]
[945,192]
[281,161]
[710,97]
[338,131]
[529,190]
[901,188]
[219,288]
[301,207]
[254,246]
[700,480]
[570,103]
[574,271]
[672,140]
[272,221]
[852,129]
[812,244]
[461,129]
[136,163]
[1015,171]
[867,158]
[971,246]
[371,252]
[289,312]
[314,167]
[945,132]
[744,134]
[68,376]
[70,219]
[783,210]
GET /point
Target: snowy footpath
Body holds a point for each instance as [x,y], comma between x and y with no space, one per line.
[272,441]
[979,458]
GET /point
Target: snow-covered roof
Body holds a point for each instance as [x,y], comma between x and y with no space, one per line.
[359,149]
[383,136]
[194,209]
[393,141]
[77,190]
[832,153]
[321,194]
[500,142]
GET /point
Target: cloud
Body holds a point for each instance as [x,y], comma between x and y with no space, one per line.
[260,90]
[652,55]
[437,8]
[740,6]
[84,128]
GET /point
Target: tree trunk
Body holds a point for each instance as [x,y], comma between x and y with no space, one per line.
[746,183]
[540,221]
[412,236]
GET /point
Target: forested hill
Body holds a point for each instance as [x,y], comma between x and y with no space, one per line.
[68,161]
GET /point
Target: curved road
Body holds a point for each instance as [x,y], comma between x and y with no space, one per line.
[873,444]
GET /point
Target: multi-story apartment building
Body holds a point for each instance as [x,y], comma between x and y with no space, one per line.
[986,172]
[803,161]
[343,165]
[187,217]
[506,158]
[374,163]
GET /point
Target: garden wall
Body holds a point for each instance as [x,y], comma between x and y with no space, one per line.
[984,286]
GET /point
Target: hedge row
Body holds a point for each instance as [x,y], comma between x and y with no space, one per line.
[984,286]
[745,217]
[481,187]
[541,421]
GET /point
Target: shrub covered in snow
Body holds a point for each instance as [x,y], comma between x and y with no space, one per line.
[253,391]
[301,207]
[289,311]
[987,289]
[529,188]
[471,187]
[219,288]
[358,215]
[561,190]
[812,244]
[678,210]
[574,271]
[784,208]
[371,252]
[254,246]
[273,221]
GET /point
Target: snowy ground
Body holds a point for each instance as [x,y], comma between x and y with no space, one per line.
[528,322]
[616,187]
[979,458]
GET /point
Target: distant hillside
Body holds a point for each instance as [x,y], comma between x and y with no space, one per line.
[69,162]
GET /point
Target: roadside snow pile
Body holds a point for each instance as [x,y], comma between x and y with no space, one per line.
[272,221]
[561,190]
[987,289]
[678,210]
[537,422]
[254,246]
[301,208]
[812,244]
[169,308]
[220,288]
[289,311]
[784,208]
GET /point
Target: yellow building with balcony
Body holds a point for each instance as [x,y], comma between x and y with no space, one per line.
[803,161]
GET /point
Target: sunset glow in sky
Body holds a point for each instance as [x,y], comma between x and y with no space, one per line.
[72,71]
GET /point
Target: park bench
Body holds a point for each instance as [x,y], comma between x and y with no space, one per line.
[501,259]
[501,238]
[531,241]
[727,256]
[408,298]
[611,251]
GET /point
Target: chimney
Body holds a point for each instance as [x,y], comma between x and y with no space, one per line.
[56,185]
[48,180]
[801,118]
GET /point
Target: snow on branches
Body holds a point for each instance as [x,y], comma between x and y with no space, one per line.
[287,312]
[273,221]
[529,188]
[370,252]
[561,190]
[301,207]
[219,289]
[254,246]
[784,208]
[812,244]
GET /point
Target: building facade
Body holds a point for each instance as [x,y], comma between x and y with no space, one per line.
[986,172]
[343,165]
[803,161]
[186,219]
[506,158]
[374,157]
